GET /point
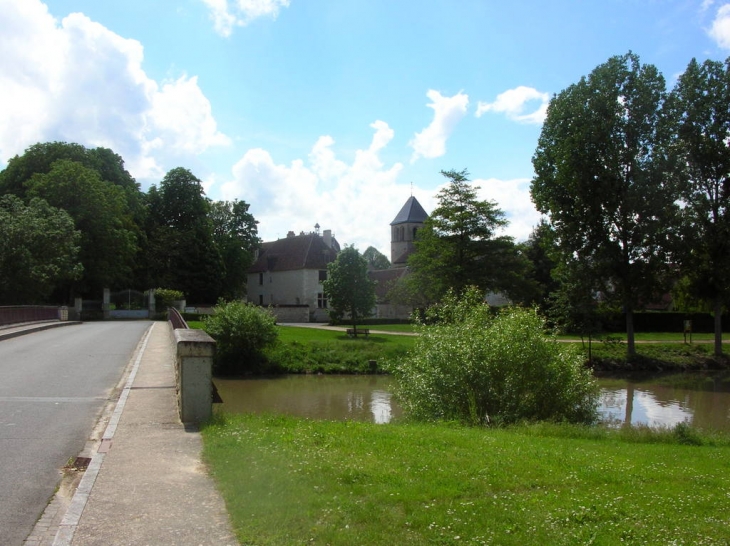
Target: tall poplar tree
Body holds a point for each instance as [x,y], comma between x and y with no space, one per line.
[600,177]
[700,107]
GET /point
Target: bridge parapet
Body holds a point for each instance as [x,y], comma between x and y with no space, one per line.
[14,314]
[195,351]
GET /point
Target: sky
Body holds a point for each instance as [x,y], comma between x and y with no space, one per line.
[326,112]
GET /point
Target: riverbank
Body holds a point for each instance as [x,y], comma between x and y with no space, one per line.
[287,480]
[319,348]
[654,356]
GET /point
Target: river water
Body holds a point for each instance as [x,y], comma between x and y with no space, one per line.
[702,400]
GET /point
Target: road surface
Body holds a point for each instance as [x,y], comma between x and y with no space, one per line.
[53,386]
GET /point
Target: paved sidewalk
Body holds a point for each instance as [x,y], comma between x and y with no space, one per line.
[146,484]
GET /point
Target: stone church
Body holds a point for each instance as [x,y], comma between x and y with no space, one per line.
[287,274]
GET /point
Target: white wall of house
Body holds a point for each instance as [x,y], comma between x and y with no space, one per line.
[296,287]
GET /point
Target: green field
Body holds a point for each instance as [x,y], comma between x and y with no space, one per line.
[295,481]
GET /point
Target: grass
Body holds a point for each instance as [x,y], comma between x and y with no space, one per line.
[294,481]
[671,337]
[312,350]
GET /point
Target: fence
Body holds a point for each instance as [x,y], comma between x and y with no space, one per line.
[14,314]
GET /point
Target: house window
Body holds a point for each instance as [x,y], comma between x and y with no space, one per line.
[261,279]
[261,300]
[322,275]
[321,300]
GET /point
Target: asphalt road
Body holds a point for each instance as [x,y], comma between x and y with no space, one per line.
[53,385]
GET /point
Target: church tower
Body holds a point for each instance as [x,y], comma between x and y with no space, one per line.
[403,231]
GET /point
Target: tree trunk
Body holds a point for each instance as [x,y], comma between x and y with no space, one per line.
[630,346]
[718,326]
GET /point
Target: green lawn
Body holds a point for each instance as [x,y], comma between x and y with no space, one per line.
[295,481]
[315,350]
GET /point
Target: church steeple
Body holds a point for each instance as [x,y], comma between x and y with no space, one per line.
[403,231]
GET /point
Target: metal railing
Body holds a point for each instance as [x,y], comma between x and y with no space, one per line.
[177,320]
[13,314]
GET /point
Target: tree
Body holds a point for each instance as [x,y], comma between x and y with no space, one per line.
[375,259]
[181,238]
[40,158]
[236,236]
[700,110]
[350,292]
[38,250]
[540,251]
[100,213]
[458,245]
[600,176]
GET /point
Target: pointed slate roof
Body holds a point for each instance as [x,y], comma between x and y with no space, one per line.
[411,213]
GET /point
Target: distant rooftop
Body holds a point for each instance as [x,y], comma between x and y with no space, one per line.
[412,212]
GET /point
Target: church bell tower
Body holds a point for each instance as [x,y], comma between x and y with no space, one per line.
[403,231]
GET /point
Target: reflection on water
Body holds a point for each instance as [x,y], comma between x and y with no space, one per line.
[702,400]
[354,397]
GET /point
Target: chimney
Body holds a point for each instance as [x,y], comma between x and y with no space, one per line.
[327,236]
[290,234]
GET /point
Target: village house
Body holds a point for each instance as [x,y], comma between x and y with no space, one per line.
[287,274]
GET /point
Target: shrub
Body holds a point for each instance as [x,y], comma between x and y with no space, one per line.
[164,298]
[474,366]
[241,331]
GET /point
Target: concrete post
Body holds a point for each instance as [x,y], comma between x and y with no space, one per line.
[75,313]
[105,306]
[152,303]
[194,372]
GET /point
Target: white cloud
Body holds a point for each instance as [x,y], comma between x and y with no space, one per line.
[448,111]
[513,198]
[356,201]
[79,82]
[514,102]
[227,15]
[720,30]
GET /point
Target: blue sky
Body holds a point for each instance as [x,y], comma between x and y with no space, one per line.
[328,112]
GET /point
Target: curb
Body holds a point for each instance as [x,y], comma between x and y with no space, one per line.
[29,328]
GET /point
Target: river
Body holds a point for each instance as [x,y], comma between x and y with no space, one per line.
[702,400]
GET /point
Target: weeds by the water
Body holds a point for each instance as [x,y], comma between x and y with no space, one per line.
[295,481]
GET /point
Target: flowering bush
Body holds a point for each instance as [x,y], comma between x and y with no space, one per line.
[474,366]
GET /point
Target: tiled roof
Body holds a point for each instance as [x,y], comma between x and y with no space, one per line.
[306,251]
[412,212]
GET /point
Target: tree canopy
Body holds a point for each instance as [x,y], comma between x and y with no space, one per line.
[376,259]
[699,107]
[459,245]
[39,247]
[350,292]
[100,213]
[172,236]
[600,177]
[235,233]
[181,238]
